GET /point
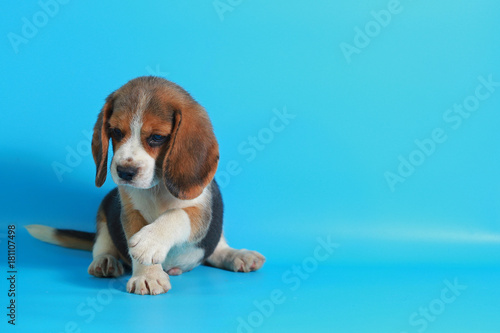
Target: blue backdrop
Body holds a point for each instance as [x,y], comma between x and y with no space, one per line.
[359,154]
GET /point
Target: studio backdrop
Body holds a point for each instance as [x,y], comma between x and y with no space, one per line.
[359,153]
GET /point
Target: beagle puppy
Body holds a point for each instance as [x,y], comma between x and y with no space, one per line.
[165,216]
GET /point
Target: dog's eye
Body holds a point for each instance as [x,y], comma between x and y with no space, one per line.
[117,134]
[156,140]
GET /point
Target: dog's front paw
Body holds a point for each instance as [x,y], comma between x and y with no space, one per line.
[147,247]
[151,283]
[105,266]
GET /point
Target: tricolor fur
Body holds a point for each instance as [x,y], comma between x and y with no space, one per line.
[165,217]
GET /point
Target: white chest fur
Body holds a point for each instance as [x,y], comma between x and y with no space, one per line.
[153,202]
[154,205]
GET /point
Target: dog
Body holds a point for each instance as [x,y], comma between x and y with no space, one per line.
[165,216]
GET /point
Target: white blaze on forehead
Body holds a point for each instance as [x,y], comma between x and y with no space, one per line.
[142,103]
[132,152]
[134,147]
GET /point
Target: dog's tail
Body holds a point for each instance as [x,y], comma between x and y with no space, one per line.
[72,239]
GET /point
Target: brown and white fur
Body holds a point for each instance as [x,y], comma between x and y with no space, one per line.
[165,217]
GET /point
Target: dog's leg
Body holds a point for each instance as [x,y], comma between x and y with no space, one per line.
[104,252]
[230,259]
[150,245]
[148,279]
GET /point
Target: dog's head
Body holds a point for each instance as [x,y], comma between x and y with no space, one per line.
[159,134]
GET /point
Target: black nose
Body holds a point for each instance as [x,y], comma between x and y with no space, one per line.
[126,173]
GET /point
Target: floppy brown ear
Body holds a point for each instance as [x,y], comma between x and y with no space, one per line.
[100,142]
[192,157]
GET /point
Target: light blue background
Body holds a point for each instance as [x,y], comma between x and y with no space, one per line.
[321,176]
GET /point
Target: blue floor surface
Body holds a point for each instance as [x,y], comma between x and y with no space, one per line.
[318,293]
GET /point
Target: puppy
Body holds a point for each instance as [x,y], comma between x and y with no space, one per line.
[165,216]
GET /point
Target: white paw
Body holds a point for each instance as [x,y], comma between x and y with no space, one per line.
[150,283]
[147,246]
[244,260]
[105,266]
